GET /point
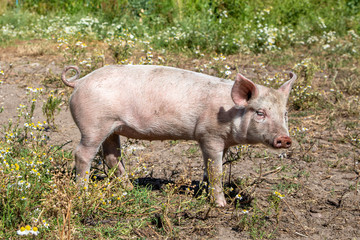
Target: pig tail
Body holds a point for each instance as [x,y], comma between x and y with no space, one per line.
[70,82]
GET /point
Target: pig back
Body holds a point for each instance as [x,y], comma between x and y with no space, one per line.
[152,102]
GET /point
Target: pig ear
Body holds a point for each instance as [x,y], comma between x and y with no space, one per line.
[286,87]
[242,90]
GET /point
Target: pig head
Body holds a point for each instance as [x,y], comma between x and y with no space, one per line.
[160,103]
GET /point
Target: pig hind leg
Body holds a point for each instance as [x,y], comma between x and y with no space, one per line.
[91,140]
[112,154]
[84,154]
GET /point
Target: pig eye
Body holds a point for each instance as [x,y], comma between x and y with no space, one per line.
[260,113]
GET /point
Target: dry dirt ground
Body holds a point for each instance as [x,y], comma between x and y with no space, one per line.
[319,175]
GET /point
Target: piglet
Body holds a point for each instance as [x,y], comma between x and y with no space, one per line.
[164,103]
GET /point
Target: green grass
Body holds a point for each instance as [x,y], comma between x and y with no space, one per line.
[224,26]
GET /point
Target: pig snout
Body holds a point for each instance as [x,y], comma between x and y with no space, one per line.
[282,142]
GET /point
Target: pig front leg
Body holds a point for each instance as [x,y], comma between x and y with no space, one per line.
[213,154]
[112,154]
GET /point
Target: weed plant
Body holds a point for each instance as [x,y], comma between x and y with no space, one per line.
[52,106]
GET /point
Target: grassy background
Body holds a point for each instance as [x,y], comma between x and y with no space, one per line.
[224,26]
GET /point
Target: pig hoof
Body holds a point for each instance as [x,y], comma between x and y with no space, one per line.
[129,186]
[220,201]
[126,184]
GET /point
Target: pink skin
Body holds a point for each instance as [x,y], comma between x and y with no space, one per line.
[163,103]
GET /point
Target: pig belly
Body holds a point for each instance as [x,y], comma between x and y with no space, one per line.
[167,132]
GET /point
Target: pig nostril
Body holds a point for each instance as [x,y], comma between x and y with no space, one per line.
[278,143]
[282,142]
[288,142]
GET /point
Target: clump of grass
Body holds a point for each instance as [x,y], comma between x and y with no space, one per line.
[258,220]
[23,129]
[52,106]
[122,47]
[75,52]
[303,95]
[25,164]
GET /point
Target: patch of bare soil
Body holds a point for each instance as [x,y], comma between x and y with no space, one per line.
[319,175]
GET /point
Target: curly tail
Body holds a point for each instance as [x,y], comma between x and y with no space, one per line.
[70,82]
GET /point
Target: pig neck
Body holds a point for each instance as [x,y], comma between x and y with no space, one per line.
[239,125]
[238,119]
[221,119]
